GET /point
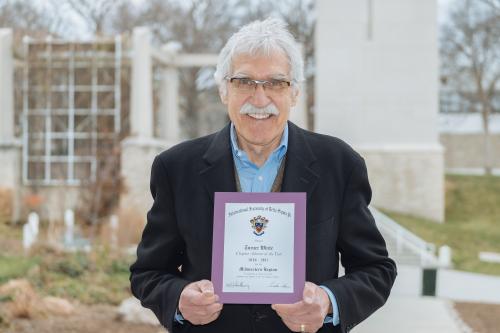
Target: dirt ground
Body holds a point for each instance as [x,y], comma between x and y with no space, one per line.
[98,318]
[482,318]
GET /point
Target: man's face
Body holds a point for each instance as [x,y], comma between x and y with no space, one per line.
[252,129]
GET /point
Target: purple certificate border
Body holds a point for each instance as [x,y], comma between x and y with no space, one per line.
[299,199]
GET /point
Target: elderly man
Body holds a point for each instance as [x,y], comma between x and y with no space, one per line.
[260,151]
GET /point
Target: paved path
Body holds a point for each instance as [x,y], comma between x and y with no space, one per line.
[412,315]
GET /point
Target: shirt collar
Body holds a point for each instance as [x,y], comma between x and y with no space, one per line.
[280,151]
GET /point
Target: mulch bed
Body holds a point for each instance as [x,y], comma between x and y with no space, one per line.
[482,318]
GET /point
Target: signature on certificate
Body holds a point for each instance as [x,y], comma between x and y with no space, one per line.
[279,285]
[238,284]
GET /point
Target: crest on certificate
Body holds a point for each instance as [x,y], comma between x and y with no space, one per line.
[259,223]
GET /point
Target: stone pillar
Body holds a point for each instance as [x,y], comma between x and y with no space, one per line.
[377,88]
[139,150]
[169,100]
[141,112]
[10,146]
[136,159]
[6,86]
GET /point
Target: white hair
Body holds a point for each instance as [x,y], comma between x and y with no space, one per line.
[260,38]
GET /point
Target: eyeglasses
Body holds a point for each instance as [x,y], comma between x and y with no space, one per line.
[247,86]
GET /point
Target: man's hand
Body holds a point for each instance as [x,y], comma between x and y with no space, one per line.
[310,312]
[198,303]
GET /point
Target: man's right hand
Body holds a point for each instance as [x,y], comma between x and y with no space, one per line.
[198,303]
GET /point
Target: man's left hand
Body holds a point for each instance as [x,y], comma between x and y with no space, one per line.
[309,313]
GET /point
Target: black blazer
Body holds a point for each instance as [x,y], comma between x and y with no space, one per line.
[179,230]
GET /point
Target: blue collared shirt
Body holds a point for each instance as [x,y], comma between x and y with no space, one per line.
[254,178]
[260,179]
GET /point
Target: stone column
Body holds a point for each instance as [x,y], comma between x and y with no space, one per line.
[6,86]
[141,112]
[10,146]
[169,100]
[139,150]
[377,89]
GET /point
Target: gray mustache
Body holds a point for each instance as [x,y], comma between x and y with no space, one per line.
[269,109]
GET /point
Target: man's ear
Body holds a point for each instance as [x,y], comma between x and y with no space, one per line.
[223,95]
[295,95]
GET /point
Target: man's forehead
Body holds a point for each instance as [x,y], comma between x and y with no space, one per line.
[275,65]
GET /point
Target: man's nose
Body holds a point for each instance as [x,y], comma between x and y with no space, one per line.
[260,98]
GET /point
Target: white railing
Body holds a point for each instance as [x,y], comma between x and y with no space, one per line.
[405,239]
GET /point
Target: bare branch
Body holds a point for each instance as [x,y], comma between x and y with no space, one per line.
[94,12]
[470,48]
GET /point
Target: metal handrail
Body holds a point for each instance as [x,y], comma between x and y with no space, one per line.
[405,238]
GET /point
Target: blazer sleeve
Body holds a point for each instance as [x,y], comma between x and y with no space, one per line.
[155,278]
[369,272]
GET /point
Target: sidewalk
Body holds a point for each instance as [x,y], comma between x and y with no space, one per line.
[405,314]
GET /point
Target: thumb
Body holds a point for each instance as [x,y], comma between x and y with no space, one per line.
[308,294]
[206,287]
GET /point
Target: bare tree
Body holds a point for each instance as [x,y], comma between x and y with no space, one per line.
[198,26]
[24,19]
[126,17]
[204,26]
[494,5]
[99,198]
[470,48]
[95,13]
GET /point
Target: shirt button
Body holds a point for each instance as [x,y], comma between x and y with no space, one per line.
[260,178]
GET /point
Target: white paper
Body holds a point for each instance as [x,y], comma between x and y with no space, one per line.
[258,259]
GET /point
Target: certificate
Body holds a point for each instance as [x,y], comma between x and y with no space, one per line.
[258,254]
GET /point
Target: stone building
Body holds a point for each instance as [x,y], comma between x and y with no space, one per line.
[377,88]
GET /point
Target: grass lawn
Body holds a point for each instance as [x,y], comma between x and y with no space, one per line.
[472,222]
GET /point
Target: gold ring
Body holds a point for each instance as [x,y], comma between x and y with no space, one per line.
[302,328]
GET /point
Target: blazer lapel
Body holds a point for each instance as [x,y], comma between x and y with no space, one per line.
[218,171]
[299,177]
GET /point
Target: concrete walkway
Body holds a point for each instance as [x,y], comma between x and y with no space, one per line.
[412,315]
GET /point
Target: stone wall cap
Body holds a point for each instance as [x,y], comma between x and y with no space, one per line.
[147,142]
[10,143]
[401,148]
